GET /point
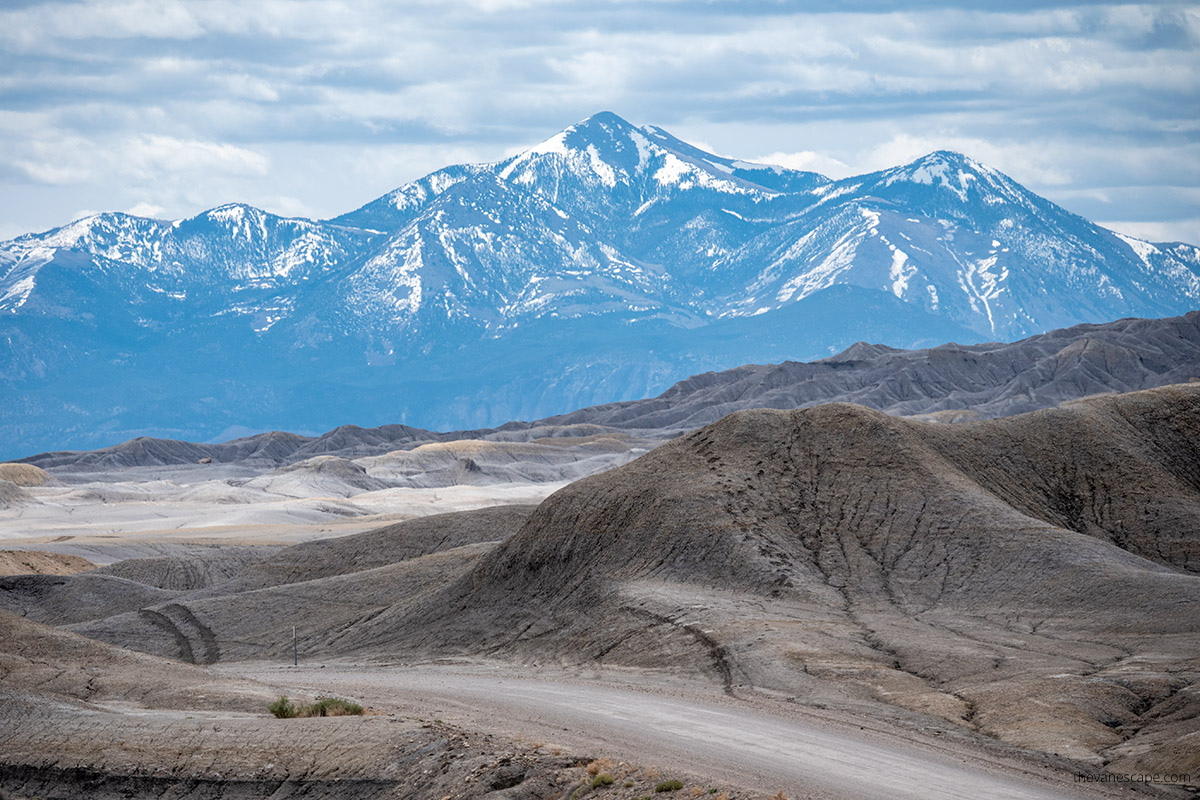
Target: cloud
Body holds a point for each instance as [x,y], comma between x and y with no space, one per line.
[147,210]
[31,26]
[808,161]
[1179,231]
[153,156]
[171,102]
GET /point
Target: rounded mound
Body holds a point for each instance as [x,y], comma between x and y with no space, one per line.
[32,562]
[24,474]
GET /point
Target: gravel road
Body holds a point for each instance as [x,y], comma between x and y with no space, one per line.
[746,744]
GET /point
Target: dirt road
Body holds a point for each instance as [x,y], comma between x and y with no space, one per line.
[746,744]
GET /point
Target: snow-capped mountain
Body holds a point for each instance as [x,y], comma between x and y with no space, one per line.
[603,263]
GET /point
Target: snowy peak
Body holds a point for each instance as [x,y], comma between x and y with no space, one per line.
[603,165]
[97,230]
[606,151]
[602,150]
[243,222]
[954,177]
[943,168]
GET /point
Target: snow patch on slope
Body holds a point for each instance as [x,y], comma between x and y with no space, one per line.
[607,176]
[898,274]
[1143,249]
[17,294]
[672,171]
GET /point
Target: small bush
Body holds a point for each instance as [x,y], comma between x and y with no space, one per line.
[603,779]
[669,786]
[284,708]
[333,707]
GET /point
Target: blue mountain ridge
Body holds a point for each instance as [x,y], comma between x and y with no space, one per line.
[602,264]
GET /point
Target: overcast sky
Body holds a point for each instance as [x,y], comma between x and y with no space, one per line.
[314,107]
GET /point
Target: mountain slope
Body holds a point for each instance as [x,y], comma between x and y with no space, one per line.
[567,264]
[949,382]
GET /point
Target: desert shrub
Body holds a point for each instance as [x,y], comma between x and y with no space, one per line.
[283,708]
[603,779]
[669,786]
[324,707]
[333,707]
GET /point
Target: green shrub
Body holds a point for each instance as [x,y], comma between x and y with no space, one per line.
[324,707]
[603,779]
[282,708]
[333,707]
[669,786]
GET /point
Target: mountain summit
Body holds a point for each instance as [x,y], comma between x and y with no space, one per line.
[604,263]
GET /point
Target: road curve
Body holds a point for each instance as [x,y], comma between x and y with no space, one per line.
[735,743]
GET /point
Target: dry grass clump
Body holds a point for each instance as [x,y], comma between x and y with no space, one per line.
[600,765]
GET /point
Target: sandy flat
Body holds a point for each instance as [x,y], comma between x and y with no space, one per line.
[109,521]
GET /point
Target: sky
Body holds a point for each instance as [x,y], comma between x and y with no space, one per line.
[314,107]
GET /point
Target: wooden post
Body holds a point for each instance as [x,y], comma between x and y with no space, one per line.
[295,658]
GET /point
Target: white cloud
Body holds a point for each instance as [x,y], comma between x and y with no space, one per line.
[166,19]
[144,209]
[288,206]
[48,172]
[1185,230]
[157,156]
[10,231]
[808,161]
[250,88]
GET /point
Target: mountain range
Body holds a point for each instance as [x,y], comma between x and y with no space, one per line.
[604,264]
